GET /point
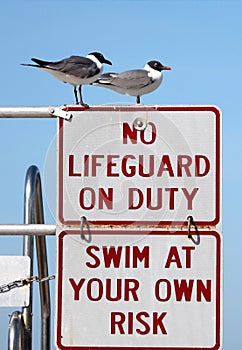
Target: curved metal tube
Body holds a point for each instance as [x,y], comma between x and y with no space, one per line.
[15,334]
[33,214]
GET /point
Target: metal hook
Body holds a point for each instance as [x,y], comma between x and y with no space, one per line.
[192,222]
[84,222]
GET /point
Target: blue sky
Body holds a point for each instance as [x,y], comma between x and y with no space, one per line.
[200,40]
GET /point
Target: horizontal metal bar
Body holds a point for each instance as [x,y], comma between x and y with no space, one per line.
[27,230]
[25,112]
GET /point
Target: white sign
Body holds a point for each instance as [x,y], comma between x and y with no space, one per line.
[140,165]
[143,290]
[14,268]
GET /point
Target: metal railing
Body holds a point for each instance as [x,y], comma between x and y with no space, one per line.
[16,331]
[25,112]
[20,325]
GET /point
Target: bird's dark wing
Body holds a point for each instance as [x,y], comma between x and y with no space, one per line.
[78,66]
[131,79]
[137,78]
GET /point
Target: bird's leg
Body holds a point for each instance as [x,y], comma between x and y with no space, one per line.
[81,101]
[75,92]
[138,100]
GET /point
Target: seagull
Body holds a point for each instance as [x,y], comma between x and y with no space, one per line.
[136,82]
[75,70]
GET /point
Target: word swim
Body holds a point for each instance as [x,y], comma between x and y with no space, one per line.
[129,165]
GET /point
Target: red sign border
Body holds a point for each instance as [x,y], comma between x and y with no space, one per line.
[213,109]
[100,232]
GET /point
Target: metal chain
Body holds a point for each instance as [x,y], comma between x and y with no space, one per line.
[23,282]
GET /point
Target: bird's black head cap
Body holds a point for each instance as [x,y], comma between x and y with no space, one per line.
[158,66]
[100,57]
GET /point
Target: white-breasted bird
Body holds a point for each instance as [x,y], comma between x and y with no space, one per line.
[75,70]
[136,82]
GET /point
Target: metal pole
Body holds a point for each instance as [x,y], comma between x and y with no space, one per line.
[15,334]
[29,199]
[34,214]
[42,269]
[25,112]
[27,230]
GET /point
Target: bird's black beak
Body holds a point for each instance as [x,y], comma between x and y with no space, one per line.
[107,62]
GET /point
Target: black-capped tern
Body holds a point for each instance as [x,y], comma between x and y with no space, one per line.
[75,70]
[136,82]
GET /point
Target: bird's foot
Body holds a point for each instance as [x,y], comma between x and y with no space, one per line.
[84,105]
